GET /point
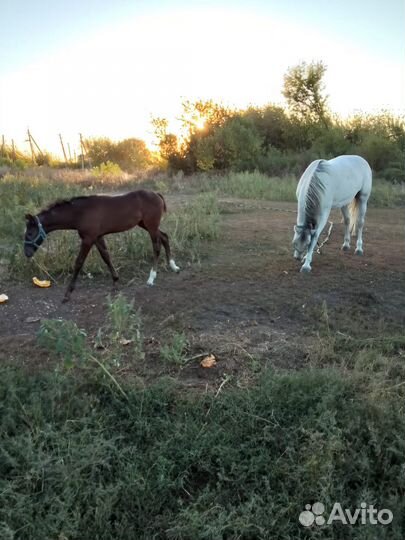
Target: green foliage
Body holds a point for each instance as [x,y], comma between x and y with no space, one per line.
[197,222]
[44,159]
[303,89]
[65,339]
[174,351]
[258,186]
[124,326]
[107,170]
[380,152]
[235,146]
[275,141]
[99,150]
[331,143]
[119,337]
[77,461]
[130,154]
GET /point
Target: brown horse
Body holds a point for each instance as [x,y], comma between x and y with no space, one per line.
[97,215]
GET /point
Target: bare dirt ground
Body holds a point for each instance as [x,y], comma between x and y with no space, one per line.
[246,301]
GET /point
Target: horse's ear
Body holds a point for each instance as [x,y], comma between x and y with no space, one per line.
[295,228]
[29,217]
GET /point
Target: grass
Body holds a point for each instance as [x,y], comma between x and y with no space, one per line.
[80,460]
[85,455]
[256,185]
[387,194]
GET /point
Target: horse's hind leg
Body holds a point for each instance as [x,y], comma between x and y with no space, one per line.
[156,243]
[84,251]
[165,241]
[346,218]
[102,249]
[360,223]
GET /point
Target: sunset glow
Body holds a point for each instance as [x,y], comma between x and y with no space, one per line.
[111,81]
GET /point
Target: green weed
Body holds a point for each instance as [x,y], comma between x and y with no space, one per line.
[174,352]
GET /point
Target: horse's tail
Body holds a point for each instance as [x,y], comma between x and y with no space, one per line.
[354,213]
[164,202]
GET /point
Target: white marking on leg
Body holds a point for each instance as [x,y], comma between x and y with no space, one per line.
[360,225]
[346,217]
[173,266]
[152,277]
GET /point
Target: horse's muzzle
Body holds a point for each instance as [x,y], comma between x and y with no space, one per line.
[29,252]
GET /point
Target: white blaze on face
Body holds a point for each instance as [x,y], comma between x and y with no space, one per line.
[152,277]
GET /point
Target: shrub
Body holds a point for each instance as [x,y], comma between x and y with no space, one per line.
[379,152]
[107,170]
[236,145]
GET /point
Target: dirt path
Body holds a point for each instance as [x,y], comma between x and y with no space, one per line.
[247,298]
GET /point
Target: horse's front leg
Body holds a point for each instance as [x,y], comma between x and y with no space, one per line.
[306,267]
[84,251]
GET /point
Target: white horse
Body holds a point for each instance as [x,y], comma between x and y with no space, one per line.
[343,182]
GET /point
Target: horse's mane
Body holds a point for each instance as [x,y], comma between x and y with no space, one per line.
[315,190]
[63,202]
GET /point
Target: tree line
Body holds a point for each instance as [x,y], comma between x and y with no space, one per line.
[271,139]
[277,140]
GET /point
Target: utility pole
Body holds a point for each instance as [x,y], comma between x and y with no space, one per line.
[31,146]
[38,148]
[70,155]
[82,149]
[63,148]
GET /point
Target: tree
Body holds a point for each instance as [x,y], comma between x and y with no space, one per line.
[203,116]
[132,155]
[303,90]
[100,150]
[236,145]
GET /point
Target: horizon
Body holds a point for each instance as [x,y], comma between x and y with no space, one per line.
[108,72]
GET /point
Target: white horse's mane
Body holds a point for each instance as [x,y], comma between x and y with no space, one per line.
[316,189]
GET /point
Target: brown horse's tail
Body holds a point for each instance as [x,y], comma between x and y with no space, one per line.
[164,202]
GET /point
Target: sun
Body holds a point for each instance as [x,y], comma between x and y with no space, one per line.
[200,123]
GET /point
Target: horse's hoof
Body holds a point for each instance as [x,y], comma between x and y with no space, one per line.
[174,266]
[345,248]
[65,299]
[359,252]
[149,283]
[305,269]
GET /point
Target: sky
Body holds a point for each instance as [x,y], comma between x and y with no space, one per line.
[105,67]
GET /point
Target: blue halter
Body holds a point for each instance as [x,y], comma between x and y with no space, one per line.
[40,236]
